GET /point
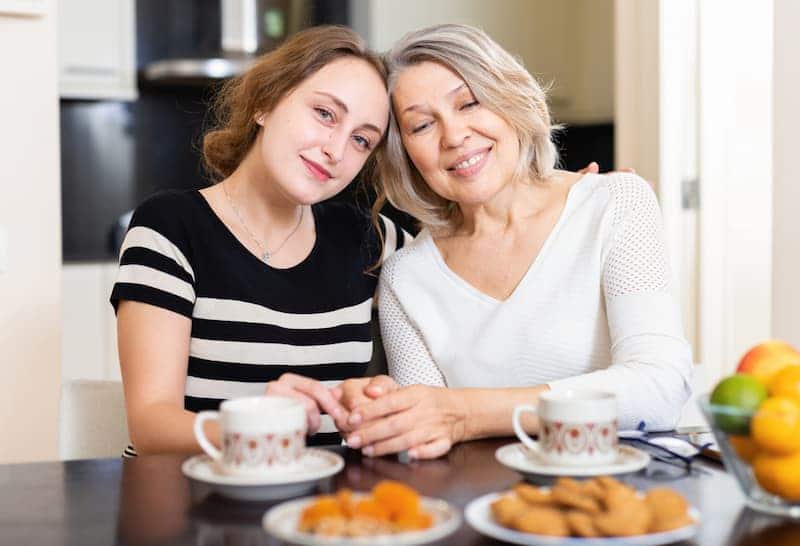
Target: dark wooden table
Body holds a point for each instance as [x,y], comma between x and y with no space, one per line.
[148,501]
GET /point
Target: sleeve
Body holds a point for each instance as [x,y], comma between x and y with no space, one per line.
[394,237]
[651,362]
[409,359]
[153,264]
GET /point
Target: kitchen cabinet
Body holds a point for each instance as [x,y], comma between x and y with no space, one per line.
[97,49]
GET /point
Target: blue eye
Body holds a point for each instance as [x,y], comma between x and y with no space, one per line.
[362,142]
[324,114]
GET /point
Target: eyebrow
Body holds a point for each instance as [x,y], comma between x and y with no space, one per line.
[343,106]
[452,92]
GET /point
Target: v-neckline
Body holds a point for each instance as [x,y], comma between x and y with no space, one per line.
[532,267]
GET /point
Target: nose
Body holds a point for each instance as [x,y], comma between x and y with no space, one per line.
[454,132]
[335,146]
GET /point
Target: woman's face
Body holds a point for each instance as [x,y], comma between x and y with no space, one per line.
[465,152]
[317,138]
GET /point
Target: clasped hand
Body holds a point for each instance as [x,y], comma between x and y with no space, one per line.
[378,416]
[387,418]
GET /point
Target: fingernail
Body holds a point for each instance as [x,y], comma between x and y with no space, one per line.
[378,390]
[354,441]
[354,419]
[369,451]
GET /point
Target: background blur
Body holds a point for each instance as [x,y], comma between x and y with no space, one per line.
[103,103]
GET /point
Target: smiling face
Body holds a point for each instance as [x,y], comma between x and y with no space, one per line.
[465,152]
[317,138]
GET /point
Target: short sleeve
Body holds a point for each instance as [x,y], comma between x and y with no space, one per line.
[153,263]
[394,237]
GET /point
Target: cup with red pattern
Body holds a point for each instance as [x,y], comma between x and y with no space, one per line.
[259,435]
[576,428]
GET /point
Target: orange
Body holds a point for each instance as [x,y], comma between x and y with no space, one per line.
[786,382]
[776,425]
[779,474]
[767,358]
[744,447]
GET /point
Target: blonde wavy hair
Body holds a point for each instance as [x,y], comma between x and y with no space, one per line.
[499,82]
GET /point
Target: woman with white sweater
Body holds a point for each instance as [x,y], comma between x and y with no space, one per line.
[524,278]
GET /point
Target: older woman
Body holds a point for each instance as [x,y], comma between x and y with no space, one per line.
[525,278]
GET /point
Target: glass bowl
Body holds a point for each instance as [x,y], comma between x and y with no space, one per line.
[756,497]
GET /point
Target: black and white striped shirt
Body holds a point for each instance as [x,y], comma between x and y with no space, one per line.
[251,322]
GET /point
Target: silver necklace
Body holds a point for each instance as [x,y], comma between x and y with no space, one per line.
[266,255]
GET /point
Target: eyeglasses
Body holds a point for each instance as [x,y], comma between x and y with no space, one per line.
[666,449]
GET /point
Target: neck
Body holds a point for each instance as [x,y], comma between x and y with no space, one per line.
[265,206]
[509,208]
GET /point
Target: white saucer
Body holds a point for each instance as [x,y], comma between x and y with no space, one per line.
[529,464]
[314,465]
[281,522]
[479,516]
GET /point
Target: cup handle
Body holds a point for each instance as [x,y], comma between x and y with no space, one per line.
[529,442]
[207,446]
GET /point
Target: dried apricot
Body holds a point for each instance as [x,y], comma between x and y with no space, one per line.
[397,498]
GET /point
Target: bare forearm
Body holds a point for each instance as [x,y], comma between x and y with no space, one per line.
[487,412]
[165,428]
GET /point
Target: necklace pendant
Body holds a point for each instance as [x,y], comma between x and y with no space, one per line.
[266,256]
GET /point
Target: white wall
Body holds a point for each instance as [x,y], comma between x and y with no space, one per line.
[568,42]
[786,190]
[30,216]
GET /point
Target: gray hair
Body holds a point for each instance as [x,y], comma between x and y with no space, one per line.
[499,82]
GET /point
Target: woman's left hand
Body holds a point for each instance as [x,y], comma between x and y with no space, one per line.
[424,420]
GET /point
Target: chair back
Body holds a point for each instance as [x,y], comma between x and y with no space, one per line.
[92,422]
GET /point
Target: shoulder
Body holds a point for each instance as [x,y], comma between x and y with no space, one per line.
[409,261]
[629,195]
[344,219]
[164,222]
[342,211]
[166,210]
[627,188]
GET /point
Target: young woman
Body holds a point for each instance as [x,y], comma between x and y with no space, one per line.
[255,285]
[525,278]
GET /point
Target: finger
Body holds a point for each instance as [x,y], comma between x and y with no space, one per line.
[431,450]
[412,438]
[380,385]
[381,430]
[384,406]
[337,393]
[309,404]
[316,391]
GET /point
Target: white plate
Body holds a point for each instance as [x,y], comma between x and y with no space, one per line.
[479,516]
[314,466]
[529,464]
[281,522]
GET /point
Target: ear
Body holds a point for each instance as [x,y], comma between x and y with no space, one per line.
[259,118]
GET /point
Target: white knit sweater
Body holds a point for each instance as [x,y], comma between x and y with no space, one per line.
[595,310]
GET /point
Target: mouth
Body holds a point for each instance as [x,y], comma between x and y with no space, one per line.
[316,170]
[470,163]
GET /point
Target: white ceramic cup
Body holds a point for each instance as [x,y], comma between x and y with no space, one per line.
[259,434]
[577,427]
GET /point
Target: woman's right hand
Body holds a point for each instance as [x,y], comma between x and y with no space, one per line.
[314,395]
[352,393]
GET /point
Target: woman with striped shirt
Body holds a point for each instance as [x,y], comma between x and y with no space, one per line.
[255,285]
